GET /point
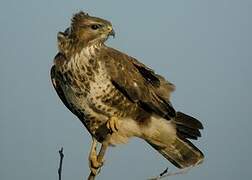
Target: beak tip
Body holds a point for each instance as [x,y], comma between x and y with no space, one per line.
[112,33]
[110,30]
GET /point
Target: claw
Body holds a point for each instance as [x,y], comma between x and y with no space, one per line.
[112,124]
[95,165]
[94,162]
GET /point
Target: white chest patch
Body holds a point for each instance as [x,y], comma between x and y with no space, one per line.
[96,86]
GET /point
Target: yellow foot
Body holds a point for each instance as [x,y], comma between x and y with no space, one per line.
[113,124]
[94,164]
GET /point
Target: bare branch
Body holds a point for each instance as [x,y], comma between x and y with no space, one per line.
[165,173]
[61,162]
[91,176]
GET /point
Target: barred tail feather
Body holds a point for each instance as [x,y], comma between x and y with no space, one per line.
[181,153]
[175,146]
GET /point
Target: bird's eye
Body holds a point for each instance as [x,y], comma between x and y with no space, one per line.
[95,26]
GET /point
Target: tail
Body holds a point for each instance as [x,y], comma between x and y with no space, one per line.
[175,146]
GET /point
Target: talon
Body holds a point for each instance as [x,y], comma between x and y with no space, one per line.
[95,165]
[112,124]
[95,162]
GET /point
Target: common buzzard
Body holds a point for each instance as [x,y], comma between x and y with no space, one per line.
[117,97]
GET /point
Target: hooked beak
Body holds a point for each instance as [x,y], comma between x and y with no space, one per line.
[111,31]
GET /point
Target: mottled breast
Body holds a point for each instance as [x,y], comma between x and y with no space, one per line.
[88,88]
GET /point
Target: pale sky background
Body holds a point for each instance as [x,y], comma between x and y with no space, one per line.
[203,46]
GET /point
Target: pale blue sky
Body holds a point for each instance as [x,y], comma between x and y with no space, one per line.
[203,46]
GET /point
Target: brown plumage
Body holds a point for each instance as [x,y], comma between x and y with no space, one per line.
[117,97]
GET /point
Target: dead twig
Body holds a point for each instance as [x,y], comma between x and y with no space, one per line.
[165,173]
[91,176]
[61,162]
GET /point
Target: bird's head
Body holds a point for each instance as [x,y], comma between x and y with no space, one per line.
[89,30]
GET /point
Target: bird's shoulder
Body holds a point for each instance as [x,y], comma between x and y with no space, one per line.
[122,64]
[138,82]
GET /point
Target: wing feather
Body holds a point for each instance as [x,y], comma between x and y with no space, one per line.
[139,83]
[59,90]
[56,84]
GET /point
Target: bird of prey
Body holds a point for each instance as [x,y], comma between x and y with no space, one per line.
[116,97]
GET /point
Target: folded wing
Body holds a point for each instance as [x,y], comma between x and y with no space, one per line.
[139,83]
